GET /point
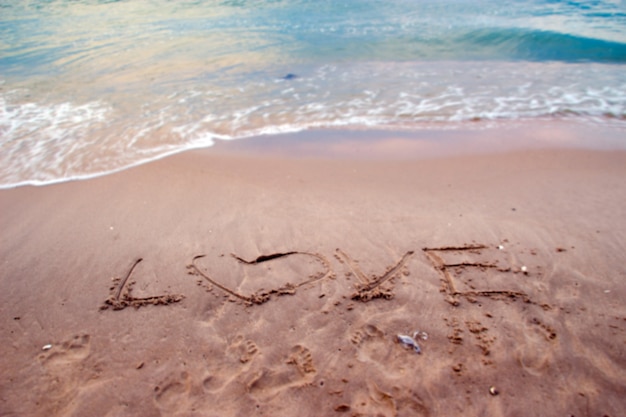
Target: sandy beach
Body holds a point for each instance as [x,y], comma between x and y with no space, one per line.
[228,283]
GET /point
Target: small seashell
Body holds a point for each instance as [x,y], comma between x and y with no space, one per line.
[420,335]
[46,347]
[500,247]
[493,390]
[524,269]
[409,342]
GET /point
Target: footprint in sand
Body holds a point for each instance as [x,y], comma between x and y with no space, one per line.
[65,372]
[243,350]
[239,354]
[301,357]
[371,345]
[173,393]
[213,382]
[534,355]
[68,352]
[397,401]
[297,370]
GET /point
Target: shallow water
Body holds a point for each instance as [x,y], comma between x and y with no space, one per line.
[90,87]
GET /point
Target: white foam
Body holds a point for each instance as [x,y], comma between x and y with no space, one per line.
[51,142]
[36,138]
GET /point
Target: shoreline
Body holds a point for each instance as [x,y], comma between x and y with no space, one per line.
[470,138]
[333,259]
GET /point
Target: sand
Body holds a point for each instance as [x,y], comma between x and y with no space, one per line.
[223,283]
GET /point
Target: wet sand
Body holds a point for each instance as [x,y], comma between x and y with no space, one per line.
[229,283]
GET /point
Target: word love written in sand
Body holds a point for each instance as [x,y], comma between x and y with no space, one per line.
[463,273]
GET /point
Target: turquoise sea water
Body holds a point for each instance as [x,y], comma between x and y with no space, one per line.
[89,87]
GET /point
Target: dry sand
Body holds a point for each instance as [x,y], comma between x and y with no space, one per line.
[218,283]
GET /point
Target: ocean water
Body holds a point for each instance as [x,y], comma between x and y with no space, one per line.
[89,87]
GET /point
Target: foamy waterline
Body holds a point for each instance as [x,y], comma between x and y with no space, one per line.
[49,140]
[503,126]
[53,140]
